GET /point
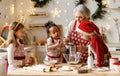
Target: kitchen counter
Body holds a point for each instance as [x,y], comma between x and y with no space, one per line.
[24,72]
[3,57]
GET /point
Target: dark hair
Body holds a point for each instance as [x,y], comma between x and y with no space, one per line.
[50,24]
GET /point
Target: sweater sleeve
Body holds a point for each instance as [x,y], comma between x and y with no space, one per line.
[69,29]
[11,59]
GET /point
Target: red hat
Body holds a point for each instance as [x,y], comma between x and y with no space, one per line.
[87,28]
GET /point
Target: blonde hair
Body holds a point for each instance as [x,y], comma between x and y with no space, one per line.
[15,26]
[83,10]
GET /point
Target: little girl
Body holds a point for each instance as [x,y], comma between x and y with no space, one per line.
[89,31]
[54,44]
[16,54]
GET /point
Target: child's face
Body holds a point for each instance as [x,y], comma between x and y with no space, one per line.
[54,32]
[79,17]
[20,33]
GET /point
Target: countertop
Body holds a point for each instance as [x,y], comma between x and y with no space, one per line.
[24,72]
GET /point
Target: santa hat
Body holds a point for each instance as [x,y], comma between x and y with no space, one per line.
[87,28]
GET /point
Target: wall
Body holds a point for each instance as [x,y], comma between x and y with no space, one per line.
[64,9]
[7,11]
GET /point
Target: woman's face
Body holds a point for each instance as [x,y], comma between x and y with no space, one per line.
[79,17]
[54,32]
[20,33]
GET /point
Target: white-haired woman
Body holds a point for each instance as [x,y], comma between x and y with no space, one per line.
[81,13]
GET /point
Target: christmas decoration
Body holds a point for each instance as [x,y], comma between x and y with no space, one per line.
[79,2]
[40,3]
[99,11]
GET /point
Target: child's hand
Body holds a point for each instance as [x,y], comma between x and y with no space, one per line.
[65,41]
[60,42]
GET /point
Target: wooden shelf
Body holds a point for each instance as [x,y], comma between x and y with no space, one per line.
[39,14]
[112,8]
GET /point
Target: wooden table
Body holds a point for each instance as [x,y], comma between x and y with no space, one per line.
[23,72]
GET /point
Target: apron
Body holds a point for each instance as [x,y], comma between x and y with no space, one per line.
[76,39]
[19,53]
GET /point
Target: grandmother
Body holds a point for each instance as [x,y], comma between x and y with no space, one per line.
[81,12]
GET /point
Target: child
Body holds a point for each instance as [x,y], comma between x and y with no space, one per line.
[16,54]
[90,31]
[54,44]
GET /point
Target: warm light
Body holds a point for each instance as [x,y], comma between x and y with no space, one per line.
[104,3]
[6,23]
[57,2]
[21,3]
[65,27]
[65,11]
[6,8]
[12,9]
[107,27]
[68,4]
[21,11]
[56,12]
[66,20]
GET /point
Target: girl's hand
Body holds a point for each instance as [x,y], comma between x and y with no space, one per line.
[60,42]
[65,41]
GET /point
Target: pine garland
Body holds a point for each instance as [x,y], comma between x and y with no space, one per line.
[40,3]
[79,2]
[99,11]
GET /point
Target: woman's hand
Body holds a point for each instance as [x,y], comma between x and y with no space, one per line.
[81,48]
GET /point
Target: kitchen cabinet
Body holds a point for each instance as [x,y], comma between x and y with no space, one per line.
[114,49]
[3,57]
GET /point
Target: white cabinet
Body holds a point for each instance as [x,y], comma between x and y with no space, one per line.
[3,57]
[2,67]
[114,49]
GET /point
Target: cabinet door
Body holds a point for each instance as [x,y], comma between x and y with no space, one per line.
[2,67]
